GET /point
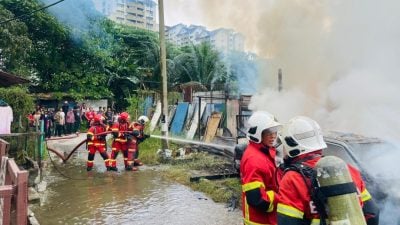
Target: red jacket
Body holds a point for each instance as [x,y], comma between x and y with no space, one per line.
[295,200]
[118,128]
[97,140]
[257,171]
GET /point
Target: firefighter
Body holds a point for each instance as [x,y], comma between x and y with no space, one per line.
[257,170]
[138,137]
[96,142]
[120,142]
[300,202]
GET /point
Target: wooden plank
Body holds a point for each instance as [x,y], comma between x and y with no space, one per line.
[3,170]
[12,170]
[195,122]
[171,113]
[156,117]
[212,126]
[22,197]
[5,204]
[4,145]
[180,117]
[232,109]
[214,177]
[189,117]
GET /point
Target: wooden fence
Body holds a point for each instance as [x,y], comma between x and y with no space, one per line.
[13,190]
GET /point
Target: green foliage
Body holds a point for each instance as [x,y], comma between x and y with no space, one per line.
[15,45]
[199,63]
[20,101]
[104,59]
[135,107]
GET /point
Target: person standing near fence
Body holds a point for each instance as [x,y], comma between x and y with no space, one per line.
[59,119]
[70,121]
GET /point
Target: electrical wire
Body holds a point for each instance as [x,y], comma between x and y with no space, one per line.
[28,14]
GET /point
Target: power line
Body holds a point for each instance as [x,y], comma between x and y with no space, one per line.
[28,14]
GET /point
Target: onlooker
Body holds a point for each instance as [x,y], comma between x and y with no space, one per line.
[100,112]
[36,119]
[109,116]
[70,121]
[48,124]
[59,119]
[65,107]
[83,109]
[77,115]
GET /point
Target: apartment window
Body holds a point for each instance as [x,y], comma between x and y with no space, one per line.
[120,18]
[132,21]
[132,14]
[149,18]
[140,9]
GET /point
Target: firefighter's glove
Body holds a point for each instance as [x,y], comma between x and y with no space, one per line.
[129,137]
[136,133]
[101,137]
[89,137]
[115,134]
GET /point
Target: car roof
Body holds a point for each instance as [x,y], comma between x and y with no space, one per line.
[350,138]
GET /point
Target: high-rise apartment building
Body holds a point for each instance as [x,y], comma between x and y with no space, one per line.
[227,40]
[135,13]
[223,40]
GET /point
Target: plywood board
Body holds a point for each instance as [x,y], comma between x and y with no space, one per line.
[195,122]
[156,117]
[212,126]
[180,117]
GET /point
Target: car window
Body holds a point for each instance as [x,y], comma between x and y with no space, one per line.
[339,151]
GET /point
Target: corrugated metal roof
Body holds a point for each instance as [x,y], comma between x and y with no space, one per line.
[7,79]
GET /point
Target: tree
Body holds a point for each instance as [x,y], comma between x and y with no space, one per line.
[199,63]
[15,45]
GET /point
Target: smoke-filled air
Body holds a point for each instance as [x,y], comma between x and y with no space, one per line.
[338,58]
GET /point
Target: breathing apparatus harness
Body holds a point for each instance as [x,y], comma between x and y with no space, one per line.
[309,176]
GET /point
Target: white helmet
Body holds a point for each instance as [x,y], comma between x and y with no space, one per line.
[258,122]
[301,135]
[143,119]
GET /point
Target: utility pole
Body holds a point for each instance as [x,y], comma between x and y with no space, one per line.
[280,80]
[163,66]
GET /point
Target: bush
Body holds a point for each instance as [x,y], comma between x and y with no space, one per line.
[21,103]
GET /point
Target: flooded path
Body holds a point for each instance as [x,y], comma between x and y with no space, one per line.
[142,197]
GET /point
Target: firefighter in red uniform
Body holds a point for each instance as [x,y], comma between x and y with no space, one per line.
[257,170]
[120,143]
[96,142]
[302,147]
[139,136]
